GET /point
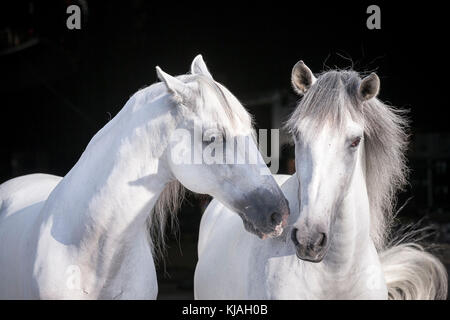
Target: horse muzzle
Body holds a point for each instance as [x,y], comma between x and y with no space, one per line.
[264,212]
[271,228]
[313,247]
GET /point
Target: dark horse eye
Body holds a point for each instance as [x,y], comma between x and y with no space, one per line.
[355,142]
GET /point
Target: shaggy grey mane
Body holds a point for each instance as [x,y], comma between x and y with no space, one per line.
[385,140]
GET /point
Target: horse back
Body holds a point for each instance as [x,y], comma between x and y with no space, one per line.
[21,200]
[20,192]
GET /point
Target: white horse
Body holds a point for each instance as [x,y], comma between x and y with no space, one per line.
[350,163]
[85,236]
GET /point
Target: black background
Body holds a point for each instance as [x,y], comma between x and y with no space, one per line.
[55,95]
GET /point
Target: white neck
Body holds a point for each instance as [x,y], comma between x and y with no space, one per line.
[99,210]
[350,232]
[343,269]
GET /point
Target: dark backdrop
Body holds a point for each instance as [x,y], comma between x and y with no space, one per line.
[55,95]
[58,86]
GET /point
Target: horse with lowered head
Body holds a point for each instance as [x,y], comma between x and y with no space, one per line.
[84,236]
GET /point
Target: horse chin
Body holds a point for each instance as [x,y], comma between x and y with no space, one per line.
[252,229]
[314,259]
[278,230]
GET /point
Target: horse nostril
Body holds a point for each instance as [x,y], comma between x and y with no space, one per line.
[276,218]
[321,240]
[294,237]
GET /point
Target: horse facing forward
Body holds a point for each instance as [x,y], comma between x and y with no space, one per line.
[349,155]
[85,236]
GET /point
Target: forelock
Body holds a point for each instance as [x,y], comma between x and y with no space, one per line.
[328,100]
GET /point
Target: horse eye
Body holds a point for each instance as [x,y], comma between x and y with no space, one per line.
[355,142]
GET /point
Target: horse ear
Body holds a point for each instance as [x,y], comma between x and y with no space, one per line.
[369,87]
[198,66]
[177,88]
[302,78]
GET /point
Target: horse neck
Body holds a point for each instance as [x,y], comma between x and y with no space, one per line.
[350,233]
[103,202]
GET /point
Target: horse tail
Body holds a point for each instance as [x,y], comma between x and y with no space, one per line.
[412,273]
